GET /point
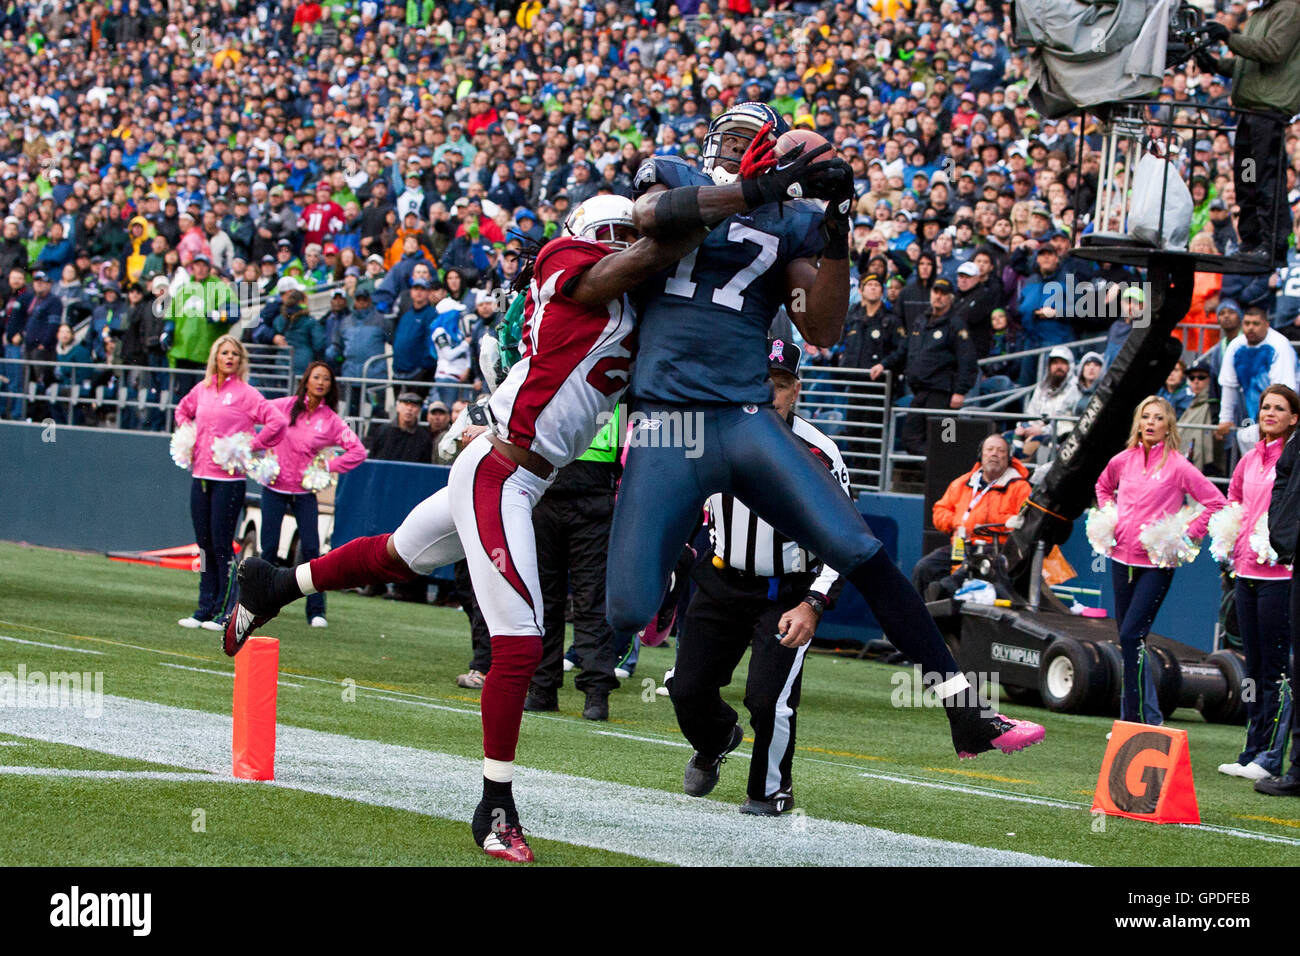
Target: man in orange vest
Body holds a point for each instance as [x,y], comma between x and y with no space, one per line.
[990,493]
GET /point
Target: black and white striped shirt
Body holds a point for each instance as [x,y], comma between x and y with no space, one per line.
[747,543]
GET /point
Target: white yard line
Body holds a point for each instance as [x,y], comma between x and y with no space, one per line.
[665,743]
[172,775]
[1066,805]
[638,821]
[208,670]
[57,647]
[422,703]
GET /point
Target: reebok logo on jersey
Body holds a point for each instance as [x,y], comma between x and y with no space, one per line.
[650,424]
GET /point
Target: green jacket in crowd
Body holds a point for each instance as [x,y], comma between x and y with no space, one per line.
[1266,68]
[200,314]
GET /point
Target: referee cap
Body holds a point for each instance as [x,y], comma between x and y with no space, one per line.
[784,355]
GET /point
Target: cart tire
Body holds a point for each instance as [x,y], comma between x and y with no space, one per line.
[1230,708]
[1070,676]
[1169,679]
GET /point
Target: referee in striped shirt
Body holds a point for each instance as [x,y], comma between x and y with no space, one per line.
[758,589]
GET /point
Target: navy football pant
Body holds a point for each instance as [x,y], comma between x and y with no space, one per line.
[751,453]
[306,513]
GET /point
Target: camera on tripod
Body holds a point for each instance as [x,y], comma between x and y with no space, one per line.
[1186,33]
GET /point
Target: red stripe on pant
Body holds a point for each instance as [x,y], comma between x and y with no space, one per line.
[489,477]
[514,659]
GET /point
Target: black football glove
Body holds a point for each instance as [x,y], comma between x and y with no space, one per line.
[785,180]
[833,184]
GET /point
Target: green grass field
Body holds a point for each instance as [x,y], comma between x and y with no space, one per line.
[144,784]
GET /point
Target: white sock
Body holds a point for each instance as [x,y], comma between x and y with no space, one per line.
[952,686]
[303,573]
[498,771]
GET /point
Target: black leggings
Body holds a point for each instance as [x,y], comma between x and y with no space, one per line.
[214,509]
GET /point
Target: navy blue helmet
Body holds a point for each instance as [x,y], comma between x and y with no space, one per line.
[745,120]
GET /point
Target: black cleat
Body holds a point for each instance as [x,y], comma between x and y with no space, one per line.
[1287,785]
[702,772]
[597,707]
[257,602]
[541,700]
[783,802]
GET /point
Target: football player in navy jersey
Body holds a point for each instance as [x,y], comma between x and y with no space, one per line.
[578,344]
[703,353]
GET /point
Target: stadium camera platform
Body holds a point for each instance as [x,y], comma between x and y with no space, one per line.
[1141,217]
[1071,663]
[1143,206]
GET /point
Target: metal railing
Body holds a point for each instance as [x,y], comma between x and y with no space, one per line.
[857,413]
[852,409]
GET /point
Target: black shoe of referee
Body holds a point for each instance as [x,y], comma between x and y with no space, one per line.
[783,802]
[702,772]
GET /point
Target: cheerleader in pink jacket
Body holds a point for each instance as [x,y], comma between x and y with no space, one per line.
[1149,480]
[314,426]
[1262,593]
[224,404]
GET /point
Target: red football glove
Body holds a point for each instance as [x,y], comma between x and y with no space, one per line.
[761,154]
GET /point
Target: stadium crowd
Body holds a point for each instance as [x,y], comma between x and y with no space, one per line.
[168,171]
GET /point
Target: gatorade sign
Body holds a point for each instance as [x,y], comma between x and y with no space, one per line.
[1146,774]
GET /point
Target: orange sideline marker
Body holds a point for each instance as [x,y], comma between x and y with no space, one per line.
[1146,774]
[257,667]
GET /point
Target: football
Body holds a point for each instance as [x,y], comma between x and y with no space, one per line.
[794,137]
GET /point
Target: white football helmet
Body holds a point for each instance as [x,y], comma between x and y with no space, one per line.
[596,218]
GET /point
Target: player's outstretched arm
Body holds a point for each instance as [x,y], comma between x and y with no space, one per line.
[663,213]
[818,299]
[819,292]
[623,271]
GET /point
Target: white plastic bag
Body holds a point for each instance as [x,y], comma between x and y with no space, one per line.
[1148,192]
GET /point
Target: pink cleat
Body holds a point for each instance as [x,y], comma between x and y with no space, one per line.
[998,732]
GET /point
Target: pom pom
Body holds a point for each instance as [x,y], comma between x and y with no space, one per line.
[1101,528]
[317,475]
[1223,530]
[264,467]
[1259,543]
[1166,541]
[232,453]
[182,446]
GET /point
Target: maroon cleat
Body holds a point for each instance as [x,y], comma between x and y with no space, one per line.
[507,843]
